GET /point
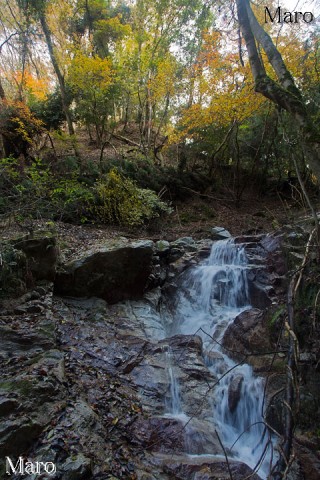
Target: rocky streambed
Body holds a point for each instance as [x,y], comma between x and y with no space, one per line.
[84,373]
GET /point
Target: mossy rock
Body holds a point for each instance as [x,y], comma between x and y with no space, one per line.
[41,252]
[13,271]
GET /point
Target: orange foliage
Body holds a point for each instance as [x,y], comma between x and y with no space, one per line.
[37,87]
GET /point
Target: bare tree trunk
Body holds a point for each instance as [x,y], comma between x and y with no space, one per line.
[283,93]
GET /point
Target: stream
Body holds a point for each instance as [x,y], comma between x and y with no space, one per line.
[211,296]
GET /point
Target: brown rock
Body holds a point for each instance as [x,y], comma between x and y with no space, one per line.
[234,392]
[248,335]
[159,434]
[203,468]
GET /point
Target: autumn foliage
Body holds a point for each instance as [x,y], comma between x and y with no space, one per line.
[174,75]
[18,127]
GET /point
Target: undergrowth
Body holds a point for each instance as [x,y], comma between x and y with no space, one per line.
[41,190]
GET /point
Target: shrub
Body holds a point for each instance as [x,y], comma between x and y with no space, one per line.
[50,110]
[19,127]
[71,200]
[120,201]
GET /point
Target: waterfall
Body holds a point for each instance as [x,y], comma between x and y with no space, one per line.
[173,402]
[212,295]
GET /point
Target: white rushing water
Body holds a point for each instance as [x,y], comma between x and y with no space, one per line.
[173,402]
[213,294]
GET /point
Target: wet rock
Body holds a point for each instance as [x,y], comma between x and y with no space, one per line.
[112,274]
[266,277]
[259,295]
[154,297]
[7,405]
[202,468]
[176,434]
[201,437]
[190,342]
[77,467]
[181,264]
[308,456]
[249,240]
[247,335]
[160,434]
[234,392]
[17,435]
[184,241]
[152,376]
[41,290]
[34,295]
[14,343]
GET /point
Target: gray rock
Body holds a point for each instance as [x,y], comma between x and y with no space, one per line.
[219,233]
[184,241]
[76,468]
[162,247]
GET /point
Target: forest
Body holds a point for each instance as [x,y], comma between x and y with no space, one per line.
[161,94]
[133,134]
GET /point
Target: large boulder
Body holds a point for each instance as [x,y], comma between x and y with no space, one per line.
[248,336]
[266,276]
[113,274]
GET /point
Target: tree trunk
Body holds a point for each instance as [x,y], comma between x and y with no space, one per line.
[2,94]
[47,34]
[283,93]
[6,145]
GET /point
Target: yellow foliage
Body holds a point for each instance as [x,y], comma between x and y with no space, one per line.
[112,27]
[163,82]
[18,122]
[224,88]
[90,73]
[58,14]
